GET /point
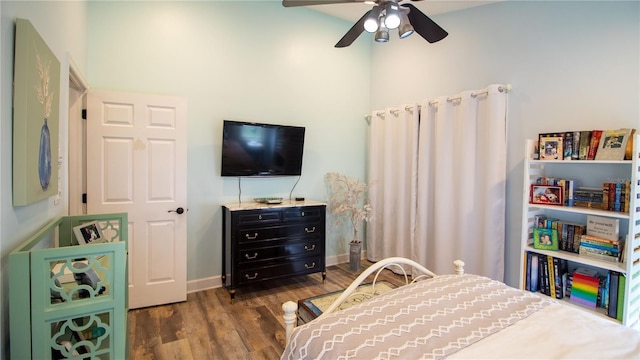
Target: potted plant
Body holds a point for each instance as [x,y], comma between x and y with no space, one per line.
[347,201]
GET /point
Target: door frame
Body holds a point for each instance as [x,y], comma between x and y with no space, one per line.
[78,88]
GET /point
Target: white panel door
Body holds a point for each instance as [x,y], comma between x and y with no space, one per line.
[136,163]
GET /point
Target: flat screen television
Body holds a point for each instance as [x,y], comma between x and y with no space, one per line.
[254,149]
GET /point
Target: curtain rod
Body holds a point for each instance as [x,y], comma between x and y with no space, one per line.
[501,88]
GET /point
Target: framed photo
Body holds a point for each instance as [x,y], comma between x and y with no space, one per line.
[547,195]
[545,239]
[613,144]
[88,233]
[551,146]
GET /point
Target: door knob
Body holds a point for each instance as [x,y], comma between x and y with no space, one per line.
[178,210]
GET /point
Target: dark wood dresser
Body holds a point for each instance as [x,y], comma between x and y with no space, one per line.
[263,242]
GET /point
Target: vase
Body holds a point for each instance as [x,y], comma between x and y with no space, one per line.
[355,254]
[44,158]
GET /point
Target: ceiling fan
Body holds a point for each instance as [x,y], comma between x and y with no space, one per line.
[385,15]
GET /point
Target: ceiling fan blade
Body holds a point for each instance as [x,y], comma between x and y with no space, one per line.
[424,26]
[354,32]
[291,3]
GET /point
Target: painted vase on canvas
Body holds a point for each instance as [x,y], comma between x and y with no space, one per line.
[44,158]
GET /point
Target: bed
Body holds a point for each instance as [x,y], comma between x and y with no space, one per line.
[455,316]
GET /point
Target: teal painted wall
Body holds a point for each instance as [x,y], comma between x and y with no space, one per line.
[62,25]
[239,60]
[573,65]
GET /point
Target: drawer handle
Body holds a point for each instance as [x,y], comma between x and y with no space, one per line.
[259,217]
[255,275]
[302,213]
[309,231]
[255,255]
[309,266]
[313,247]
[249,237]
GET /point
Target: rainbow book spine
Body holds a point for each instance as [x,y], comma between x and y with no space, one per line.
[584,290]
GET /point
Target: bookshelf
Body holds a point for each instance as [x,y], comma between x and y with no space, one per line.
[588,173]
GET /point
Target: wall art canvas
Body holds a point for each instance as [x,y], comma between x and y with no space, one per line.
[36,103]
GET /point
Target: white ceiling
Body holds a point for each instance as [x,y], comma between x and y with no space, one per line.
[353,12]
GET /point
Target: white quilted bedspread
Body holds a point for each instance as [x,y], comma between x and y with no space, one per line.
[428,320]
[464,317]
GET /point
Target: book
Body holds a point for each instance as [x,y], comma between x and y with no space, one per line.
[621,251]
[593,144]
[616,199]
[552,279]
[535,276]
[598,250]
[575,152]
[570,235]
[588,197]
[584,288]
[622,282]
[627,195]
[629,150]
[585,140]
[602,242]
[605,249]
[604,300]
[527,274]
[595,254]
[612,310]
[605,196]
[603,227]
[568,145]
[540,220]
[544,274]
[556,275]
[561,268]
[570,185]
[578,231]
[613,144]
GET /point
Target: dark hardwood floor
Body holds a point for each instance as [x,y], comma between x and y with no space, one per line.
[209,326]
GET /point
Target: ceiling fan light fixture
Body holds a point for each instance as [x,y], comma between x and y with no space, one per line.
[407,18]
[371,23]
[405,28]
[391,15]
[382,35]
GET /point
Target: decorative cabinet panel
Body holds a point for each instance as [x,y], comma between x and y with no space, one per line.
[263,242]
[68,300]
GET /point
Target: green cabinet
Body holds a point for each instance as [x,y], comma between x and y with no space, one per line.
[68,300]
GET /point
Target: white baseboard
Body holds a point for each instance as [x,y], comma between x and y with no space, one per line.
[204,284]
[214,282]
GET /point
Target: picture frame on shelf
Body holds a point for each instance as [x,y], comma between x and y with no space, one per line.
[551,146]
[545,239]
[613,144]
[546,195]
[89,233]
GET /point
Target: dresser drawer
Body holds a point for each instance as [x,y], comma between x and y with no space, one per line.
[278,232]
[303,213]
[258,217]
[259,234]
[302,248]
[290,268]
